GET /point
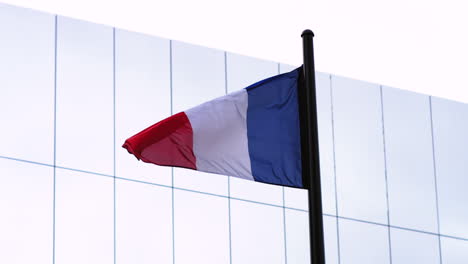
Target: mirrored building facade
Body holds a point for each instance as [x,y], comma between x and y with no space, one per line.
[394,163]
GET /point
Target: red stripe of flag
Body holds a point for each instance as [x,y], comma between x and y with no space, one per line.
[168,143]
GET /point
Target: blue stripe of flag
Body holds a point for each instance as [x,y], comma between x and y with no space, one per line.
[273,130]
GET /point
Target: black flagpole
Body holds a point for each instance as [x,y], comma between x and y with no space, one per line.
[310,150]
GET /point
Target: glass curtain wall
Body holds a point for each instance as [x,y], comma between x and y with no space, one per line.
[394,163]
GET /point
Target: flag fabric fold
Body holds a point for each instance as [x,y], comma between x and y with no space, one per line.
[252,134]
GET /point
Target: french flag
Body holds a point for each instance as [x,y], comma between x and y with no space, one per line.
[252,134]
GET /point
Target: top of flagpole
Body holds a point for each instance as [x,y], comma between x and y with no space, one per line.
[307,32]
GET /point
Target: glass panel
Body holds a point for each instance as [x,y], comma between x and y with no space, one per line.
[257,233]
[410,170]
[142,95]
[84,96]
[26,203]
[143,223]
[359,155]
[325,131]
[286,68]
[201,181]
[198,76]
[242,71]
[296,198]
[201,228]
[84,216]
[451,154]
[363,243]
[331,239]
[297,237]
[454,251]
[410,247]
[255,191]
[27,84]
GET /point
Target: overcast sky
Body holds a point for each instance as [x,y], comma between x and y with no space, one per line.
[410,44]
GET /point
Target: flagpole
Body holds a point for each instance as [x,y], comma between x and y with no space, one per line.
[310,150]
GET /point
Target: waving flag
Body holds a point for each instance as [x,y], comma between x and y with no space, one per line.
[252,134]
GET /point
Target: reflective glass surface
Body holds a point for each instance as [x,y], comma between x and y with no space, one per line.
[410,167]
[242,71]
[454,251]
[27,66]
[326,147]
[451,159]
[286,68]
[413,247]
[72,91]
[331,239]
[359,150]
[296,198]
[256,233]
[84,217]
[26,205]
[254,191]
[201,228]
[297,236]
[363,243]
[143,215]
[85,96]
